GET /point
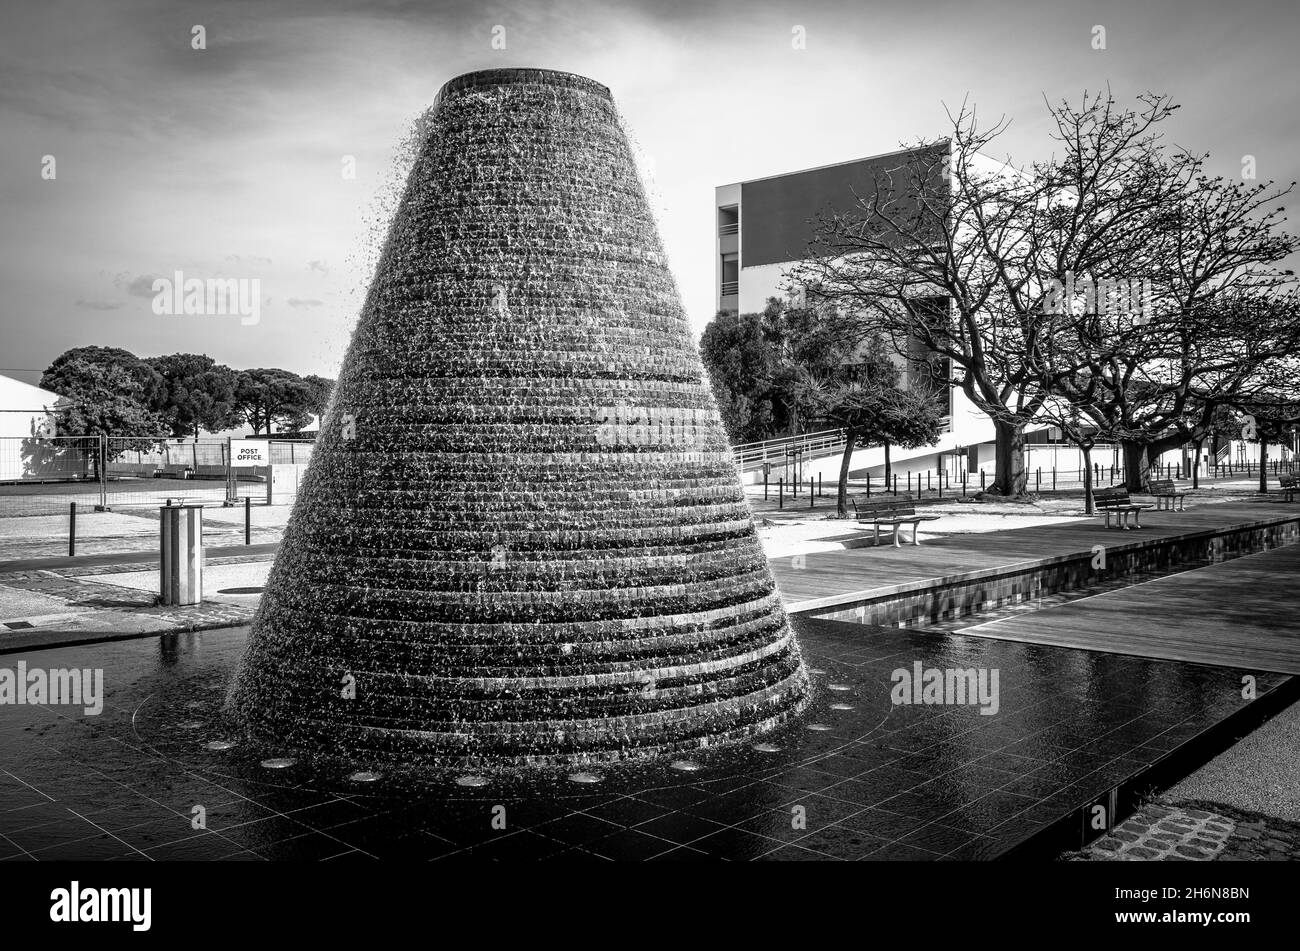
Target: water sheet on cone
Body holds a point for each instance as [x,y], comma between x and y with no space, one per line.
[521,537]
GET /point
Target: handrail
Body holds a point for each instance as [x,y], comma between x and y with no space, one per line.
[813,445]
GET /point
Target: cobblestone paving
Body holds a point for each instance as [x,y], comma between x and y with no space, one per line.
[1197,832]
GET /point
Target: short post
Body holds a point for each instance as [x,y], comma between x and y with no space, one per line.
[819,485]
[868,485]
[1038,479]
[964,473]
[780,492]
[927,482]
[72,529]
[895,483]
[909,481]
[181,538]
[765,482]
[812,498]
[981,478]
[940,483]
[1053,478]
[248,520]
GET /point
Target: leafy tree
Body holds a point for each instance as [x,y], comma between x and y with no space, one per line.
[739,361]
[757,363]
[864,397]
[100,398]
[266,397]
[67,372]
[198,394]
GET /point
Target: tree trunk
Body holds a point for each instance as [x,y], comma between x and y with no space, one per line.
[842,492]
[1263,463]
[887,466]
[1136,465]
[1010,477]
[1087,479]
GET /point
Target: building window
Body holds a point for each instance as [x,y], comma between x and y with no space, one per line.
[730,275]
[729,220]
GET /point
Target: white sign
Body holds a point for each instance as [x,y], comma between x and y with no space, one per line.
[250,452]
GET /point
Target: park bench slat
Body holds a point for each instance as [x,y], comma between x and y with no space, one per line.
[1168,494]
[892,513]
[1115,499]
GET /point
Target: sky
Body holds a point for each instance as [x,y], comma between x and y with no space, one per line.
[227,162]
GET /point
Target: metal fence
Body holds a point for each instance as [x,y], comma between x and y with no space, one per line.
[41,476]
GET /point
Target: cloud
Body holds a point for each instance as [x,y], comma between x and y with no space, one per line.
[318,266]
[98,304]
[141,286]
[305,302]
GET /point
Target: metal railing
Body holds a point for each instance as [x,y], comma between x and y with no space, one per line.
[815,445]
[751,455]
[40,476]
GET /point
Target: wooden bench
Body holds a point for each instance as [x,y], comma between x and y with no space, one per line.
[892,513]
[1167,494]
[1290,484]
[1115,499]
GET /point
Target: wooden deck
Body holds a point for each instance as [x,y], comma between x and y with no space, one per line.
[1241,613]
[850,571]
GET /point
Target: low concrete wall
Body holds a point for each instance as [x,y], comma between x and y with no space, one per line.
[926,602]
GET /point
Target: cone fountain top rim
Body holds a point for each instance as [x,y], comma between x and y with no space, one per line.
[486,78]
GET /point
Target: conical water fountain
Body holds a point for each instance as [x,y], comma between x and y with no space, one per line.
[522,538]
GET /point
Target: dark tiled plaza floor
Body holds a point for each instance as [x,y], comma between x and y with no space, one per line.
[857,777]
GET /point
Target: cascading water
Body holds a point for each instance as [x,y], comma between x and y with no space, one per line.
[522,538]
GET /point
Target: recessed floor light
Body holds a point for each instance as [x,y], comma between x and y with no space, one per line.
[815,670]
[365,776]
[818,727]
[191,724]
[219,744]
[279,762]
[686,765]
[471,780]
[585,778]
[766,748]
[841,706]
[839,688]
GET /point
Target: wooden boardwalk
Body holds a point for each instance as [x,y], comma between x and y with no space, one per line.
[825,574]
[1241,613]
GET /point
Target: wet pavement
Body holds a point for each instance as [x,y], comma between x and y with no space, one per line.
[856,777]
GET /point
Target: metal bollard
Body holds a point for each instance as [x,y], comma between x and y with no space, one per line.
[72,529]
[181,540]
[248,520]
